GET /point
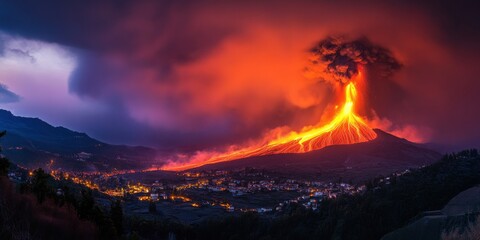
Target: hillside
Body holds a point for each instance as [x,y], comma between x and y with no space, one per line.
[32,143]
[457,213]
[381,156]
[387,204]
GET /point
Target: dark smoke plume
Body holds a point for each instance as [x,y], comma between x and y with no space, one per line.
[338,59]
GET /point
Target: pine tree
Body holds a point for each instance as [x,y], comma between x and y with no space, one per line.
[152,207]
[40,185]
[4,163]
[85,208]
[116,214]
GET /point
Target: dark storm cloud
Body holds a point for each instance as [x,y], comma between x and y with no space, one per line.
[92,75]
[190,75]
[7,96]
[2,46]
[68,23]
[22,54]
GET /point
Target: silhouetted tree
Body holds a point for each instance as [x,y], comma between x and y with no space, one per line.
[40,185]
[116,214]
[152,207]
[105,224]
[4,163]
[86,205]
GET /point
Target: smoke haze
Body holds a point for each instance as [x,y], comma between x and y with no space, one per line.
[187,76]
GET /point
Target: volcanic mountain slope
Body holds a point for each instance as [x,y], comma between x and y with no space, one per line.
[32,143]
[345,128]
[383,155]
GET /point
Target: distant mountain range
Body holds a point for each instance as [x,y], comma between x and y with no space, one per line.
[32,143]
[357,162]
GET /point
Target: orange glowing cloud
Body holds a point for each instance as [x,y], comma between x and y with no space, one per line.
[246,75]
[341,64]
[230,74]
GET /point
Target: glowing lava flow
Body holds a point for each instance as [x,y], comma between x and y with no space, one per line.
[345,128]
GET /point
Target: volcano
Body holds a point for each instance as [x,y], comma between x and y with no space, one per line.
[345,128]
[346,147]
[357,162]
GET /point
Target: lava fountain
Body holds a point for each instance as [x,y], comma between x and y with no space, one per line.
[345,128]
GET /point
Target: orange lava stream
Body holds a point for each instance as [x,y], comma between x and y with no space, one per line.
[345,128]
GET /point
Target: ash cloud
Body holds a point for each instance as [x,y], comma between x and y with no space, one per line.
[187,76]
[339,58]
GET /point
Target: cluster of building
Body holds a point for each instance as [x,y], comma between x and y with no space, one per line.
[310,193]
[241,183]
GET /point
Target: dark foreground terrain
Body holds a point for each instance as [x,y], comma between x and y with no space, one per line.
[35,209]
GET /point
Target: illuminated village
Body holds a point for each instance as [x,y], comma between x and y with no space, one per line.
[232,191]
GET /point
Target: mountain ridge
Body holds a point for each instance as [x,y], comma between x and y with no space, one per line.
[32,143]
